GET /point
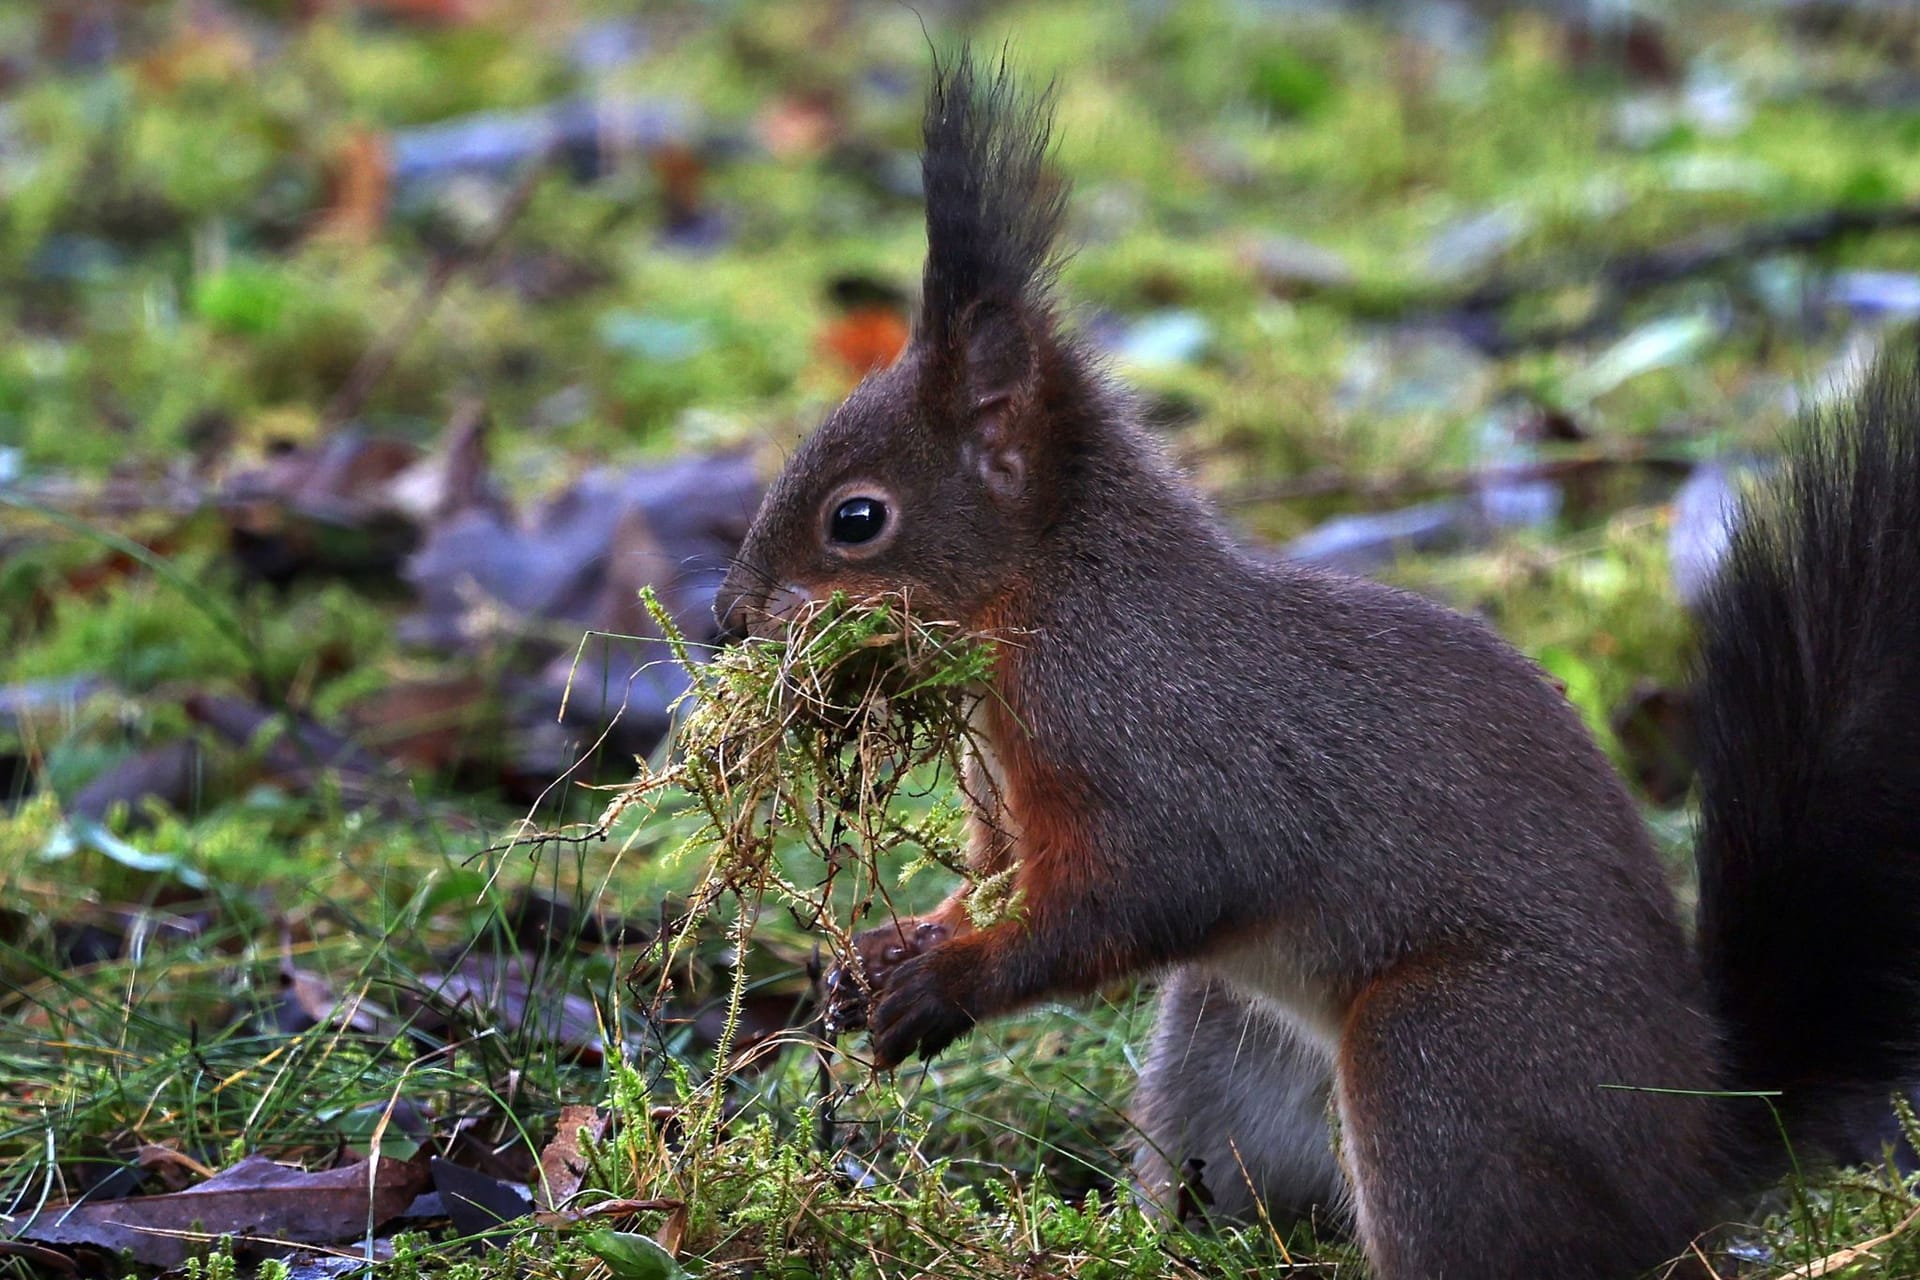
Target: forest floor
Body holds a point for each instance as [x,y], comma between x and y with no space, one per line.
[360,362]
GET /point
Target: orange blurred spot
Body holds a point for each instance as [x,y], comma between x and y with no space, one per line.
[358,181]
[866,338]
[798,125]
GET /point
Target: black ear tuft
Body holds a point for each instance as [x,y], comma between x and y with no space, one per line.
[992,210]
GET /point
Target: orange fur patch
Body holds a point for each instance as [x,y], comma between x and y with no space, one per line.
[1045,809]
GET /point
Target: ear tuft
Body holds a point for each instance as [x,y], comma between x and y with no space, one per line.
[993,211]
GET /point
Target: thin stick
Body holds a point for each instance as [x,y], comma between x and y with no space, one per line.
[1327,483]
[378,358]
[1853,1253]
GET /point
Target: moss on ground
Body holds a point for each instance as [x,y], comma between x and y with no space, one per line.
[186,273]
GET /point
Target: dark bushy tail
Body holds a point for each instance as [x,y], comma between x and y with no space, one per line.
[1810,770]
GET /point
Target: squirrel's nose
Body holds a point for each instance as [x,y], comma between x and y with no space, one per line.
[737,610]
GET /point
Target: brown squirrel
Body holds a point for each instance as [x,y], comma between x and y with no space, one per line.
[1380,859]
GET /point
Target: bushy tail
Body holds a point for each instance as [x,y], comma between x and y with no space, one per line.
[1810,770]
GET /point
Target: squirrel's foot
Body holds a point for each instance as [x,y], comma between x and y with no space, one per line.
[877,953]
[916,1013]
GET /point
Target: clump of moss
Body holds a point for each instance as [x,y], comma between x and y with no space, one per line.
[815,751]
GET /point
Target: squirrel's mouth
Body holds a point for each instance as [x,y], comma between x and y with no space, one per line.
[761,613]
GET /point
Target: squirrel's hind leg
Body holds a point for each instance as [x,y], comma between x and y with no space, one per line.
[1232,1104]
[1495,1125]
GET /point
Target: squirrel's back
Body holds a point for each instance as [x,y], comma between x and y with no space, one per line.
[1335,713]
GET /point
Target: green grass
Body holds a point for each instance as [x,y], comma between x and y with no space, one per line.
[161,273]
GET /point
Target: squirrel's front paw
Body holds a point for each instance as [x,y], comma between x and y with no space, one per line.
[915,1014]
[876,954]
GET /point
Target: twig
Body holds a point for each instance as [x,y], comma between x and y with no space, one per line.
[379,357]
[1705,1265]
[1476,312]
[1853,1253]
[1328,482]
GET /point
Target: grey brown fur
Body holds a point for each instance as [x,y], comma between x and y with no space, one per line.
[1365,823]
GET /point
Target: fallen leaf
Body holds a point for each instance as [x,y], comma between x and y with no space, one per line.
[1291,267]
[1468,246]
[329,1266]
[764,1015]
[307,1000]
[322,509]
[477,1203]
[562,1165]
[673,1229]
[359,182]
[541,923]
[291,746]
[501,991]
[255,1199]
[1366,543]
[865,339]
[174,773]
[34,702]
[588,133]
[40,1256]
[431,726]
[487,579]
[607,1209]
[169,1163]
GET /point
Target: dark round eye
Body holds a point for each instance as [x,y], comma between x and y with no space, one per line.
[858,520]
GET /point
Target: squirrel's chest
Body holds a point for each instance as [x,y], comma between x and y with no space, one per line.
[993,832]
[1021,809]
[1284,971]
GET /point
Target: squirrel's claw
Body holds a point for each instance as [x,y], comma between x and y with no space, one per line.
[850,988]
[845,999]
[915,1015]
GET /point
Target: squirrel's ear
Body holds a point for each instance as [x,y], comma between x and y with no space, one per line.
[1002,370]
[992,216]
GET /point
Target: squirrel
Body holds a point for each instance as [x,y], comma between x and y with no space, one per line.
[1387,872]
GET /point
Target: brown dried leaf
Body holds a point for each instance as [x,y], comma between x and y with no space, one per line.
[308,1000]
[175,1168]
[430,726]
[673,1230]
[174,773]
[503,991]
[866,339]
[255,1199]
[562,1166]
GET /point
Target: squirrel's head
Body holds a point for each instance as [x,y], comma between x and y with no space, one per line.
[939,476]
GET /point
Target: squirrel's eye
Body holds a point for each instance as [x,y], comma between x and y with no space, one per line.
[858,520]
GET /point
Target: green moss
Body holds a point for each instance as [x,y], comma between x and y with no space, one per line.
[157,241]
[140,633]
